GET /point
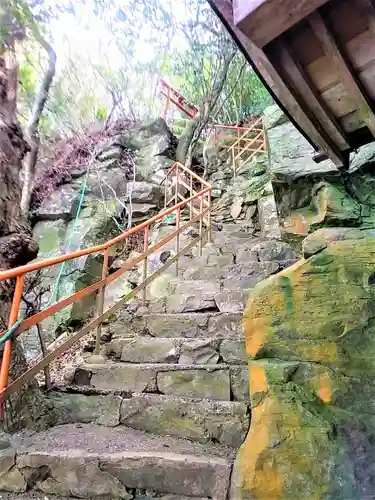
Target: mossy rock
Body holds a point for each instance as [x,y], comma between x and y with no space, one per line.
[310,335]
[334,206]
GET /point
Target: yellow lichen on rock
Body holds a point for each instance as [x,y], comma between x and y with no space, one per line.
[310,336]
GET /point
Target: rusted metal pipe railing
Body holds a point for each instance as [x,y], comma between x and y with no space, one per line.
[99,287]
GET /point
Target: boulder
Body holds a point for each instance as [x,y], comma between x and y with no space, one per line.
[146,192]
[96,224]
[61,204]
[291,156]
[274,117]
[334,205]
[236,208]
[156,145]
[309,334]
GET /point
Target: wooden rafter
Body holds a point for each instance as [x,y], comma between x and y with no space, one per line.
[265,20]
[307,93]
[278,86]
[369,9]
[344,69]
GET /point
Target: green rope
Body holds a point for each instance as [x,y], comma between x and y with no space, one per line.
[55,292]
[9,333]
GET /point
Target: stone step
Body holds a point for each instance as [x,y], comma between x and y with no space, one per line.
[186,325]
[198,420]
[253,249]
[216,382]
[138,495]
[225,301]
[260,270]
[92,461]
[231,229]
[181,351]
[197,287]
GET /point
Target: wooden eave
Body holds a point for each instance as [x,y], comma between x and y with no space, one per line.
[318,60]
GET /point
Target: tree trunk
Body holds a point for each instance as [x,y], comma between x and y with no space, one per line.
[16,244]
[33,127]
[194,130]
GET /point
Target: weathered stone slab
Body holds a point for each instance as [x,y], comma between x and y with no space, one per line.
[224,325]
[239,380]
[170,473]
[196,287]
[181,325]
[220,260]
[202,421]
[233,352]
[149,350]
[268,216]
[71,473]
[190,303]
[199,352]
[196,384]
[97,409]
[11,478]
[231,301]
[291,155]
[245,255]
[123,377]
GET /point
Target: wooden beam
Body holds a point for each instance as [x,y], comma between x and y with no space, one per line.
[367,6]
[265,20]
[344,69]
[268,71]
[308,95]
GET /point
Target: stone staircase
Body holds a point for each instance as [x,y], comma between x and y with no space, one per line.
[162,411]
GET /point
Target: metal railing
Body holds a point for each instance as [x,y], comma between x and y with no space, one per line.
[178,125]
[242,143]
[193,202]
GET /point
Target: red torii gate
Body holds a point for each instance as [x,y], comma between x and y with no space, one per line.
[172,95]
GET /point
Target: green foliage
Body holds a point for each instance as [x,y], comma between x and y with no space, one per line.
[28,78]
[243,94]
[101,113]
[125,50]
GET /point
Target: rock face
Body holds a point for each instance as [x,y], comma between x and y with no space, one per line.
[103,214]
[310,196]
[241,198]
[309,336]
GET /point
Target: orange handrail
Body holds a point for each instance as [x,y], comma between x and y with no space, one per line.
[250,140]
[99,286]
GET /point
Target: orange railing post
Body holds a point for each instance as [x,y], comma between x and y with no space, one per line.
[13,316]
[209,234]
[178,216]
[191,194]
[145,262]
[201,226]
[99,286]
[100,301]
